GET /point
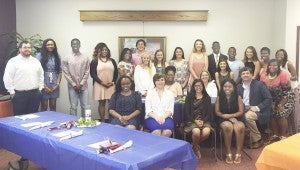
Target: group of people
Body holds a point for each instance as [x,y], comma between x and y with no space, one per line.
[247,92]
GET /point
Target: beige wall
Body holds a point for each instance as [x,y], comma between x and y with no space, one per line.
[238,23]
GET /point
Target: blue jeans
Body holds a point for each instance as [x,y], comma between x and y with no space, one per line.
[82,97]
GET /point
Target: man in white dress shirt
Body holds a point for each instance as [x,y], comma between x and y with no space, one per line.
[24,79]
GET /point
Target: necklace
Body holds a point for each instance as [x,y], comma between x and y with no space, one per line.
[104,61]
[272,77]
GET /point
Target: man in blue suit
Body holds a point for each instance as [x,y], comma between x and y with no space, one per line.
[257,100]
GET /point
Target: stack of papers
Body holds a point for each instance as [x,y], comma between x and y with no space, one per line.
[37,125]
[68,134]
[27,116]
[44,124]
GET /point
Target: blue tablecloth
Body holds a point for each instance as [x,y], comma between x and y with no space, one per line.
[148,151]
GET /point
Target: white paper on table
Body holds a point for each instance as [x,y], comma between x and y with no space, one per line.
[27,116]
[72,134]
[64,133]
[104,143]
[122,147]
[41,125]
[31,124]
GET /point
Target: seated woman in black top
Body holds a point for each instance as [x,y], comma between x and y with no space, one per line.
[198,114]
[229,110]
[125,104]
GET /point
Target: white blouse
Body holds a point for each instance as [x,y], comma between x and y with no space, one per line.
[212,89]
[159,106]
[143,79]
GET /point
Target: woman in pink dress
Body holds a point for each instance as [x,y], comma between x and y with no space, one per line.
[198,60]
[104,71]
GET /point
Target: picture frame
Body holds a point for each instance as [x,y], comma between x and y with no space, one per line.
[153,43]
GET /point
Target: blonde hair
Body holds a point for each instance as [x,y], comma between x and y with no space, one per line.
[145,54]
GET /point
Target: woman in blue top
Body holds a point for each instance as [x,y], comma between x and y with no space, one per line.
[125,104]
[51,64]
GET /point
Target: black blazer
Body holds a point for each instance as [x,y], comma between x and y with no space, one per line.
[93,71]
[212,64]
[259,96]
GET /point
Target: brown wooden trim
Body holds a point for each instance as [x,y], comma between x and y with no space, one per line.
[185,15]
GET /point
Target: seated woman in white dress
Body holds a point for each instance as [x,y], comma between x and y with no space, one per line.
[159,108]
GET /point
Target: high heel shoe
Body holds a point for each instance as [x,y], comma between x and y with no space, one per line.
[229,158]
[237,159]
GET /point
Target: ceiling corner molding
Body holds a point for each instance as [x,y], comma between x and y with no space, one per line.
[115,15]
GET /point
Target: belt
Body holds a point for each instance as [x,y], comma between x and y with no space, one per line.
[22,91]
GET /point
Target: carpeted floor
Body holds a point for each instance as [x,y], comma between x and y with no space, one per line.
[207,161]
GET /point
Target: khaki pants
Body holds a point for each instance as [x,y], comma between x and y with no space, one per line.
[251,118]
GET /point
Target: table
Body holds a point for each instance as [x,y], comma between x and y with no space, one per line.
[283,154]
[148,151]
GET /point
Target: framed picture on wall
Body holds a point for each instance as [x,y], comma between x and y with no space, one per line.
[152,43]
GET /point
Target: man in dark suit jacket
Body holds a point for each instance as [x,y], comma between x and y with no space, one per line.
[257,100]
[214,58]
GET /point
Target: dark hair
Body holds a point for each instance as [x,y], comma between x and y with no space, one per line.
[246,69]
[124,51]
[192,93]
[44,54]
[157,77]
[174,54]
[170,68]
[285,56]
[119,86]
[140,40]
[75,39]
[255,58]
[227,66]
[100,46]
[273,61]
[265,49]
[232,48]
[215,42]
[23,42]
[231,105]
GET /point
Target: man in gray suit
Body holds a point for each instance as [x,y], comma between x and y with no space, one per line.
[257,100]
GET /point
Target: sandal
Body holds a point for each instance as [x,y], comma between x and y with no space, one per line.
[273,138]
[229,158]
[196,149]
[237,159]
[282,137]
